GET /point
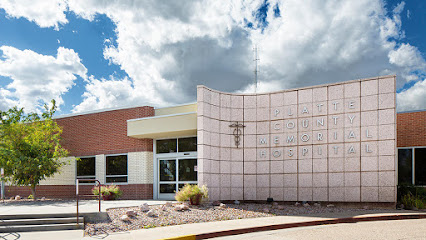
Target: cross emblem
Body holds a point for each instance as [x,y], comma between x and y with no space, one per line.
[237,132]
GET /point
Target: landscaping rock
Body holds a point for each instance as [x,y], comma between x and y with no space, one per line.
[216,203]
[297,204]
[274,204]
[330,205]
[151,213]
[43,199]
[222,205]
[168,204]
[144,207]
[280,207]
[163,208]
[236,202]
[131,213]
[317,204]
[266,210]
[17,197]
[366,207]
[125,218]
[306,205]
[181,207]
[11,198]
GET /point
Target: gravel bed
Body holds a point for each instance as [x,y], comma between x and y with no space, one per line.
[167,216]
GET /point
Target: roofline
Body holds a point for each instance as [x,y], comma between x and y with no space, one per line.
[99,111]
[117,108]
[413,111]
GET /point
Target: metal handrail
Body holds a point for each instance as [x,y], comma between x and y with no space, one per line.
[77,182]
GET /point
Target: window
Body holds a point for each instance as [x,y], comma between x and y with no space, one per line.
[177,145]
[420,166]
[405,167]
[86,168]
[116,169]
[412,166]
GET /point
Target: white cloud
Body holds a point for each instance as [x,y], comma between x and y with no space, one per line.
[45,13]
[413,98]
[167,48]
[37,78]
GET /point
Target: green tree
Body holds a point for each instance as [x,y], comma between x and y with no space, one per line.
[30,146]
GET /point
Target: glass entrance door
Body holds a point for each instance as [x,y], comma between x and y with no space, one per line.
[174,173]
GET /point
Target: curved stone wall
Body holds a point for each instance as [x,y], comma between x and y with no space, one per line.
[333,143]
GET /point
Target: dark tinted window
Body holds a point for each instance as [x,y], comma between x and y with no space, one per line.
[167,146]
[116,168]
[188,144]
[420,166]
[405,167]
[187,170]
[86,168]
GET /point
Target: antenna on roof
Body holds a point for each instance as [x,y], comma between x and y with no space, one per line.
[256,59]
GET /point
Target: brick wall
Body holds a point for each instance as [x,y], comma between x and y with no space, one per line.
[103,132]
[130,191]
[411,129]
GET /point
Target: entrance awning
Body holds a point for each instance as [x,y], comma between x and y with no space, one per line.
[163,126]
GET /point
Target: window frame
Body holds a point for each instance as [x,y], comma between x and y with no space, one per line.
[84,176]
[127,170]
[413,163]
[177,146]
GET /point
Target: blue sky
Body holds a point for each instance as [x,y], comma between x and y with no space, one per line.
[92,55]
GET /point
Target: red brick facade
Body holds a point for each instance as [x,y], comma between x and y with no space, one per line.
[130,191]
[103,132]
[411,129]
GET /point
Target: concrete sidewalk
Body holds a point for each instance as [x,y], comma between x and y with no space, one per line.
[85,206]
[208,227]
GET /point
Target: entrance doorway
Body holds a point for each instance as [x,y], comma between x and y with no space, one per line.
[176,165]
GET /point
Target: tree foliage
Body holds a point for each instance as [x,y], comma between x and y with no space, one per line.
[30,147]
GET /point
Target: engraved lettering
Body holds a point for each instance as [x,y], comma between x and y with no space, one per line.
[335,119]
[276,140]
[351,149]
[304,151]
[305,123]
[351,134]
[367,133]
[320,122]
[262,141]
[335,135]
[320,137]
[276,112]
[351,104]
[319,105]
[262,153]
[305,110]
[276,153]
[319,151]
[367,149]
[351,118]
[304,137]
[335,105]
[290,139]
[277,126]
[290,125]
[290,152]
[289,112]
[335,149]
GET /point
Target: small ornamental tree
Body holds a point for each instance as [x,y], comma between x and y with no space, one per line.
[30,148]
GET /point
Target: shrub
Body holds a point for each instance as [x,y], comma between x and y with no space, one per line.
[110,192]
[412,196]
[30,196]
[410,201]
[192,192]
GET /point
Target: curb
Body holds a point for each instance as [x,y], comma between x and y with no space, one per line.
[298,224]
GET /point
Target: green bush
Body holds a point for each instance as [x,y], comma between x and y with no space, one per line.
[110,192]
[30,196]
[190,191]
[410,201]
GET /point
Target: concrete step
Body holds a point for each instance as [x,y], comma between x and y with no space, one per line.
[37,216]
[40,221]
[43,227]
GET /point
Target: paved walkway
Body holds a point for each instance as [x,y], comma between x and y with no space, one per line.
[199,228]
[164,232]
[85,206]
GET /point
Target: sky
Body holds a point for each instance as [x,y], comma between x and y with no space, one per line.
[90,55]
